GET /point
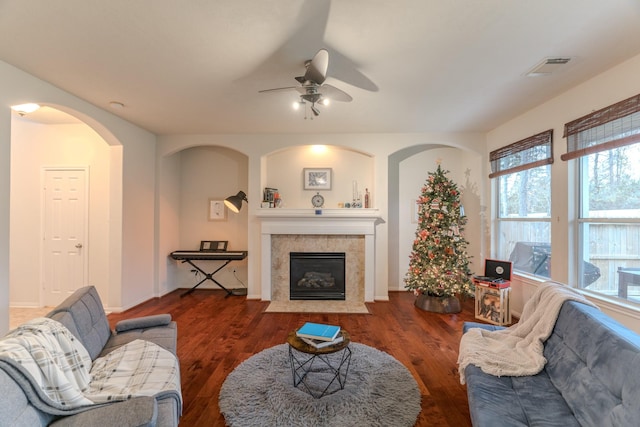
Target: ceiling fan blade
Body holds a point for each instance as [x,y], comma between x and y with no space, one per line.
[317,68]
[346,70]
[335,94]
[278,89]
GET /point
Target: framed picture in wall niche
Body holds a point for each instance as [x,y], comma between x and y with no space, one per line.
[316,178]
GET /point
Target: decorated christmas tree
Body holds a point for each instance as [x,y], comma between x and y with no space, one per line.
[439,263]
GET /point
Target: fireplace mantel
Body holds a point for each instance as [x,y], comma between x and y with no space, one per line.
[360,222]
[343,213]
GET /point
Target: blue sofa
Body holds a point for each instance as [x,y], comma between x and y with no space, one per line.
[591,378]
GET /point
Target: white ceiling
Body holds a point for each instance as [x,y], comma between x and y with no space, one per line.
[411,65]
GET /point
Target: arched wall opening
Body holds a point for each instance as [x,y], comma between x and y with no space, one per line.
[408,171]
[58,141]
[189,179]
[350,170]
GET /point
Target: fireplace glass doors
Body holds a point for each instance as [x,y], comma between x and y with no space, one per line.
[317,275]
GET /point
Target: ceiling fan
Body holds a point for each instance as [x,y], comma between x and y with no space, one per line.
[311,89]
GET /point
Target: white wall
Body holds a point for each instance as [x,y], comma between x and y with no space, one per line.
[168,225]
[5,181]
[34,147]
[137,254]
[615,85]
[211,173]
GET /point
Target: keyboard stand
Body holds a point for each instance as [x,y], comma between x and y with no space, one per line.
[207,276]
[191,256]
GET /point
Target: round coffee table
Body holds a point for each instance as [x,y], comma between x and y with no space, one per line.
[320,371]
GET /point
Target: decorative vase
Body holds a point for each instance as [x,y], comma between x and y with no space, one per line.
[438,304]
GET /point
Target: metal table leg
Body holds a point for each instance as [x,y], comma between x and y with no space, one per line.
[305,364]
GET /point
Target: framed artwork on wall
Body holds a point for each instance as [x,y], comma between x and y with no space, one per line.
[317,178]
[217,210]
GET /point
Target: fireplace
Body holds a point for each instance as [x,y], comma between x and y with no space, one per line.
[317,275]
[351,231]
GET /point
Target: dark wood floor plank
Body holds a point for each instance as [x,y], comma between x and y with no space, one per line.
[215,334]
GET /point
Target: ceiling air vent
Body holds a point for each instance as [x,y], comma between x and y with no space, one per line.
[548,66]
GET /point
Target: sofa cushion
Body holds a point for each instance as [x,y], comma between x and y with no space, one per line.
[165,336]
[468,325]
[15,409]
[143,322]
[515,401]
[82,313]
[138,411]
[594,362]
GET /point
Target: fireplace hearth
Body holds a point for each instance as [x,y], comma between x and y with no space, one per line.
[317,275]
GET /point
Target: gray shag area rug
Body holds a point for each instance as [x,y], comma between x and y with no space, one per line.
[379,391]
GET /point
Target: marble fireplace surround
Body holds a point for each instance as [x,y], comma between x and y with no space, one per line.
[338,230]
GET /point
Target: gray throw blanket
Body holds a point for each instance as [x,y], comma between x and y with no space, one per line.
[56,373]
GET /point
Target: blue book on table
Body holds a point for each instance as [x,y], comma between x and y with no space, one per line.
[318,331]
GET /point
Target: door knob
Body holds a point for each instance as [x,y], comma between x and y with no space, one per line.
[79,246]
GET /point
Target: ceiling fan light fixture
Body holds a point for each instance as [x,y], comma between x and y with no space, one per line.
[312,89]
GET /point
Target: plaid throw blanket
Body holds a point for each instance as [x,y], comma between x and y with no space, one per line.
[139,368]
[53,367]
[54,359]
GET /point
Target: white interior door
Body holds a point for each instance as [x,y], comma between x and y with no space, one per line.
[64,239]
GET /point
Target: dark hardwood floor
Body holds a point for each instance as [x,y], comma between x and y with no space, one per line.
[216,333]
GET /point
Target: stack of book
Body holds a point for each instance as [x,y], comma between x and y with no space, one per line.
[319,335]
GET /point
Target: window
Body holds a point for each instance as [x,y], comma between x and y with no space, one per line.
[523,187]
[606,144]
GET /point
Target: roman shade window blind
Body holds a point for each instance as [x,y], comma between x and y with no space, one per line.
[611,127]
[528,153]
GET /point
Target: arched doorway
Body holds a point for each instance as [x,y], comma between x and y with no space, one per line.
[45,146]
